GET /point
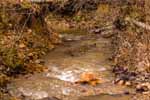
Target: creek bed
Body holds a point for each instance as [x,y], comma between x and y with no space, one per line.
[66,64]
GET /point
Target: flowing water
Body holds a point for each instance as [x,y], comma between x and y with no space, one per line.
[77,55]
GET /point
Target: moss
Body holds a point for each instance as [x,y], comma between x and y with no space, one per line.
[3,80]
[26,5]
[104,8]
[10,58]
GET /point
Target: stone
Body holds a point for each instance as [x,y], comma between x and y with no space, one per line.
[22,45]
[128,83]
[121,82]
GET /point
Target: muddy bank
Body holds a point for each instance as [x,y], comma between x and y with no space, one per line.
[22,42]
[132,49]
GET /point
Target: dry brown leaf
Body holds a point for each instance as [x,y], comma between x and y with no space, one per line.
[89,78]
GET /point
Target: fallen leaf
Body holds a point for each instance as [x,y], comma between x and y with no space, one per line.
[89,78]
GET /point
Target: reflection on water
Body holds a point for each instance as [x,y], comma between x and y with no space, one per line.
[87,55]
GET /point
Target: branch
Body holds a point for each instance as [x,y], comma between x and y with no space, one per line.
[139,24]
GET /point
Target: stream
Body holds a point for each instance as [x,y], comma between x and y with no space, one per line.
[78,69]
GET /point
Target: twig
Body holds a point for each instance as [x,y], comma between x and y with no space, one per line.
[20,33]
